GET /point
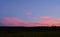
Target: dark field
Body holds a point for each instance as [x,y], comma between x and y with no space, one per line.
[29,32]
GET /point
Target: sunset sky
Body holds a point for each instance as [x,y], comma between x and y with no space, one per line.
[29,12]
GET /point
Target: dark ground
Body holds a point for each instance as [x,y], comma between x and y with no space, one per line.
[29,32]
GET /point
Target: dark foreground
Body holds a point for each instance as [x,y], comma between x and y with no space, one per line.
[29,31]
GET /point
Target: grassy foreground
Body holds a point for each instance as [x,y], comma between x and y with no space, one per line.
[28,33]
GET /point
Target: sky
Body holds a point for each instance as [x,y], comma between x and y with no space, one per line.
[29,12]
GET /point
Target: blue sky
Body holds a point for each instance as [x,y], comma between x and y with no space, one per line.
[15,8]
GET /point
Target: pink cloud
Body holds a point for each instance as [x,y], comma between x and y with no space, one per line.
[50,21]
[17,22]
[28,13]
[14,21]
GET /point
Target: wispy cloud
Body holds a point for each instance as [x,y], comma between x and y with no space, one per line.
[28,13]
[17,22]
